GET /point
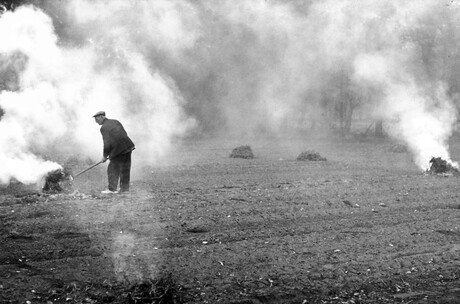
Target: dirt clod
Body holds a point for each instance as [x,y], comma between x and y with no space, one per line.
[197,230]
[310,155]
[242,152]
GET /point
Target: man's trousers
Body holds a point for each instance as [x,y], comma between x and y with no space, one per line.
[119,169]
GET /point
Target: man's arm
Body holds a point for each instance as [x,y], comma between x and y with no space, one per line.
[107,141]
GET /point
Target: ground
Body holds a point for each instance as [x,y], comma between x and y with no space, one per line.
[364,226]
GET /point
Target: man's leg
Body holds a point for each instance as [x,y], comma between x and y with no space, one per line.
[125,172]
[113,174]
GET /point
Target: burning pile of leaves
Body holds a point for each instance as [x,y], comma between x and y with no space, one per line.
[58,181]
[242,152]
[441,166]
[163,291]
[310,155]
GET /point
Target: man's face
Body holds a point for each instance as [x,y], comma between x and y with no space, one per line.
[99,119]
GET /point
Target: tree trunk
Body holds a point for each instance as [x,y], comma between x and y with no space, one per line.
[379,128]
[349,115]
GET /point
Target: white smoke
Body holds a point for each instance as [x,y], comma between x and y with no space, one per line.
[61,87]
[30,113]
[417,108]
[423,119]
[164,67]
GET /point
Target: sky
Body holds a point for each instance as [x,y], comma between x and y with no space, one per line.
[171,69]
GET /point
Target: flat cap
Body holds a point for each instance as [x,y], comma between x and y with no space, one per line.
[99,113]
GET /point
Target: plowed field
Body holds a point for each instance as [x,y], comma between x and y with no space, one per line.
[364,226]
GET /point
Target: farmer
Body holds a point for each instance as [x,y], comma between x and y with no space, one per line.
[117,148]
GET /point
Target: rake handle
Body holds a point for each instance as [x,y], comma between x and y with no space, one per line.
[80,173]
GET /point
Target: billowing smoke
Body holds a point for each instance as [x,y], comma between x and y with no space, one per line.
[399,53]
[411,78]
[422,116]
[53,89]
[30,115]
[173,68]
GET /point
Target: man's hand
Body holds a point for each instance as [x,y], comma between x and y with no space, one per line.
[104,159]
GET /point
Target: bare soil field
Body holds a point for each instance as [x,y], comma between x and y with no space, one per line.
[364,226]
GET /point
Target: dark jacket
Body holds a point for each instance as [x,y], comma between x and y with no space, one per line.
[116,140]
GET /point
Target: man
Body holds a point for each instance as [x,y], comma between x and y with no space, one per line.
[117,148]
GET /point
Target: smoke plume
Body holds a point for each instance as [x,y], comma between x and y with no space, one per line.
[169,69]
[414,97]
[56,87]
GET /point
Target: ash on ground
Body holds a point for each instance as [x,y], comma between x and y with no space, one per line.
[242,152]
[441,166]
[58,181]
[310,155]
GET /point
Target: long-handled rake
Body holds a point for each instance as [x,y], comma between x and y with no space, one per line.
[91,167]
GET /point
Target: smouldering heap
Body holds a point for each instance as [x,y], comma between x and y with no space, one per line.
[242,152]
[57,181]
[310,156]
[441,166]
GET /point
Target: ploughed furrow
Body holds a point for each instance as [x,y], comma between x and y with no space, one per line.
[17,248]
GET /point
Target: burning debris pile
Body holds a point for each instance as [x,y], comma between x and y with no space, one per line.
[58,181]
[441,166]
[310,155]
[242,152]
